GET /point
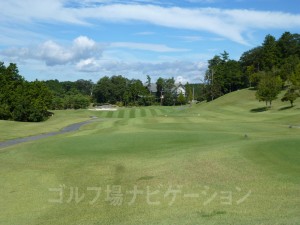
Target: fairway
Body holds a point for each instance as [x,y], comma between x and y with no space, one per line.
[222,162]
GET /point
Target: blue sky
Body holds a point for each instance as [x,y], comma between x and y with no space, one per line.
[89,39]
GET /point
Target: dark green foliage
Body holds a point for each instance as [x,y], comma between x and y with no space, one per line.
[270,53]
[223,76]
[282,55]
[85,87]
[118,89]
[70,95]
[165,91]
[159,87]
[21,100]
[288,45]
[291,95]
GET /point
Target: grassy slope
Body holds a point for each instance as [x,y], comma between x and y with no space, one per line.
[195,147]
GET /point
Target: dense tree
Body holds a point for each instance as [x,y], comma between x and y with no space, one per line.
[137,90]
[70,95]
[21,100]
[197,90]
[121,91]
[102,90]
[288,67]
[223,76]
[295,77]
[85,87]
[159,87]
[254,58]
[165,91]
[31,102]
[288,45]
[118,88]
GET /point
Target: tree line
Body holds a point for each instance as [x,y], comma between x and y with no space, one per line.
[21,100]
[268,68]
[124,92]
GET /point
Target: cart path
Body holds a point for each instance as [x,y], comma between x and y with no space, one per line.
[70,128]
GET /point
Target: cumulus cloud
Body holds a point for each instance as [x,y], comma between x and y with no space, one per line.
[88,65]
[83,51]
[55,54]
[181,80]
[85,55]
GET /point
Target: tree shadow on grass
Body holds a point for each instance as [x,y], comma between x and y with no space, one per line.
[260,109]
[286,107]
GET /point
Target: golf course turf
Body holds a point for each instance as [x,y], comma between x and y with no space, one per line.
[223,162]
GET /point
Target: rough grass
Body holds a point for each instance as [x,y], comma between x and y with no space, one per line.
[210,149]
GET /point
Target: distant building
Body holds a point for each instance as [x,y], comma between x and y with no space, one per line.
[179,88]
[152,88]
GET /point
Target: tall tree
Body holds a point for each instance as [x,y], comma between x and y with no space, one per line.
[270,53]
[148,83]
[159,88]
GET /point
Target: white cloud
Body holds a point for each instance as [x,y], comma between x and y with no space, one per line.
[54,54]
[230,24]
[180,79]
[88,65]
[83,51]
[146,46]
[187,71]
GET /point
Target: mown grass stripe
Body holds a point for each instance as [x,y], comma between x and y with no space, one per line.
[127,113]
[115,114]
[148,112]
[138,113]
[121,113]
[153,112]
[143,112]
[109,114]
[104,114]
[132,113]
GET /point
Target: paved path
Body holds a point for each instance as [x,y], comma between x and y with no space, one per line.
[70,128]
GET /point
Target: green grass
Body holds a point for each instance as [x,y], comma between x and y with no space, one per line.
[217,147]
